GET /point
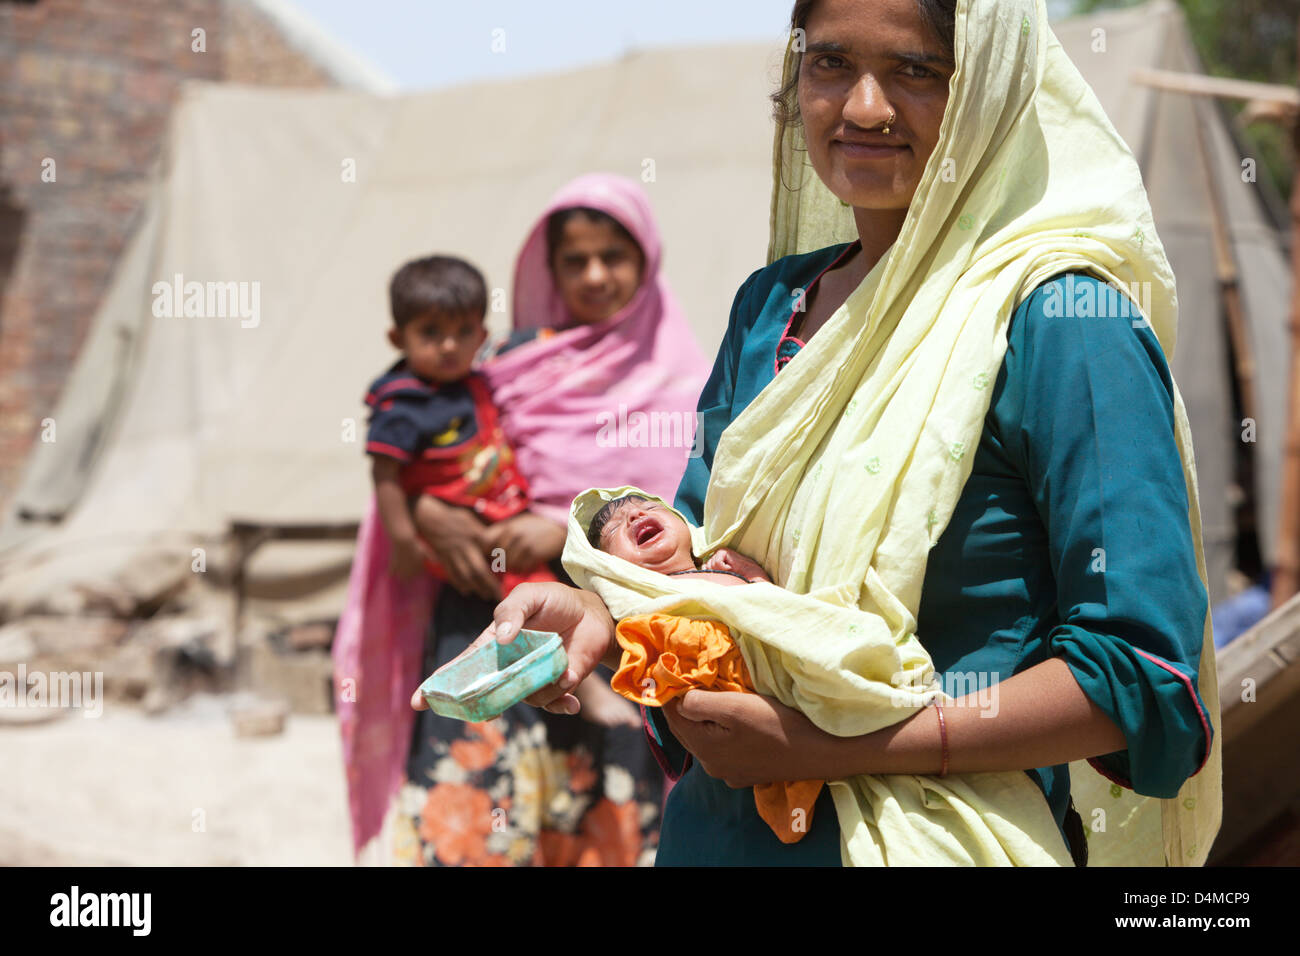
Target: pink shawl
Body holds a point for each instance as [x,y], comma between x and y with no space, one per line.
[592,406]
[603,405]
[378,662]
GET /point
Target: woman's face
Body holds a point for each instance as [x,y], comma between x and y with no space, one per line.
[864,58]
[597,270]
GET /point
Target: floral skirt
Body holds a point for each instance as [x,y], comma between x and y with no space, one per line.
[528,788]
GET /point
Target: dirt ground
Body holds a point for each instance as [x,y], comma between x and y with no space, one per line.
[175,789]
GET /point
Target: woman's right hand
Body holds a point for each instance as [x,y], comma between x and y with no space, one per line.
[579,617]
[457,538]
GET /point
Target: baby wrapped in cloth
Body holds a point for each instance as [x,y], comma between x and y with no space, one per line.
[825,661]
[665,655]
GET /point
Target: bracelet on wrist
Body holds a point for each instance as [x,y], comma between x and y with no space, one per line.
[943,739]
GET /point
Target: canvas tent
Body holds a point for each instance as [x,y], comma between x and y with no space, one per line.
[171,428]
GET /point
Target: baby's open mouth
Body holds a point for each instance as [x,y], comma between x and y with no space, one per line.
[646,530]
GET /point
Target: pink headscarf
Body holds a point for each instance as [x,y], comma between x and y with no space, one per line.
[551,394]
[607,404]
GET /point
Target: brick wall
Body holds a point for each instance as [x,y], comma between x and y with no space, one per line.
[90,84]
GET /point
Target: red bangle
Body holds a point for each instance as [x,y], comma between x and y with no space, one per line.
[943,740]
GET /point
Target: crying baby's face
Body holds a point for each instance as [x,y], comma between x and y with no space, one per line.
[649,535]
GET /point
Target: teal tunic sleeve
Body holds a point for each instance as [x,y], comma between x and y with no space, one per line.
[1087,419]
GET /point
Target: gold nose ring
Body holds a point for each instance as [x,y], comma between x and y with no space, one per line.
[889,124]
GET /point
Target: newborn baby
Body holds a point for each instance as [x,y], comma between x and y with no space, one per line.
[664,655]
[653,537]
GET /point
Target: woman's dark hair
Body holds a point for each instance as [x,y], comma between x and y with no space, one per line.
[557,220]
[939,15]
[604,514]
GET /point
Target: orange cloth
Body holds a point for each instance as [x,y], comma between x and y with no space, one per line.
[664,656]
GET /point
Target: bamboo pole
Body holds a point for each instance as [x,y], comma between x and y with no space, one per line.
[1198,83]
[1225,268]
[1286,579]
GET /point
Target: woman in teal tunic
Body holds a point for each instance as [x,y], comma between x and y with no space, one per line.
[1001,593]
[1067,576]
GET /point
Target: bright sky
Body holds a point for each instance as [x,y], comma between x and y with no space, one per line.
[423,44]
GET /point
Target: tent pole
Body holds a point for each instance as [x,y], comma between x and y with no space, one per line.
[1286,579]
[1225,267]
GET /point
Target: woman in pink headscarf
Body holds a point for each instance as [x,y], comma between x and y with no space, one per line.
[599,348]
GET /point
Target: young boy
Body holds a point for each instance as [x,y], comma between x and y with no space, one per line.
[434,430]
[433,427]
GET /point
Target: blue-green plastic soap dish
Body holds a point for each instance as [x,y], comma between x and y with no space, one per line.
[484,683]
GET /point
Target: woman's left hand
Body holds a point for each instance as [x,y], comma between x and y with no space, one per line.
[745,739]
[526,540]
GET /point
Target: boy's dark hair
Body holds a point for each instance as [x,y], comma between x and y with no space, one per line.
[604,514]
[557,220]
[441,284]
